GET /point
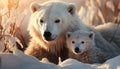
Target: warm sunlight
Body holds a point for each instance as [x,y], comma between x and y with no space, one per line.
[105,66]
[118,67]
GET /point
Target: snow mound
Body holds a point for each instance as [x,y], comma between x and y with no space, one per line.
[18,60]
[113,63]
[74,64]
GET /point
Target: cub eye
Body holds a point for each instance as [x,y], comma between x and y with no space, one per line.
[82,42]
[57,21]
[73,42]
[41,21]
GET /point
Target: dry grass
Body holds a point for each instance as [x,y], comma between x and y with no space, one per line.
[98,12]
[8,40]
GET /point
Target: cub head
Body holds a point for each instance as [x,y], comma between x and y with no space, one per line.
[52,18]
[79,41]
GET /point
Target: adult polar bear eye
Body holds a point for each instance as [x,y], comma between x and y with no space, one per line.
[57,21]
[41,21]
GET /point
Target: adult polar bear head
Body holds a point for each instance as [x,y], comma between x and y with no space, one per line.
[53,19]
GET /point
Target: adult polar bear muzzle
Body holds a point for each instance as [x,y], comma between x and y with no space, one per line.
[48,36]
[51,32]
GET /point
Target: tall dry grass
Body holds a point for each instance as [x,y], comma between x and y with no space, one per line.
[96,12]
[8,30]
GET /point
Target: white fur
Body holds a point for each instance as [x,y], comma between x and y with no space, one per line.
[78,37]
[50,15]
[69,22]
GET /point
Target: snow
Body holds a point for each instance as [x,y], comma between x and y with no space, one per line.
[113,63]
[74,64]
[18,60]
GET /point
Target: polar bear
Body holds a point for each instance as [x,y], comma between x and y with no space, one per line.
[48,25]
[81,45]
[110,31]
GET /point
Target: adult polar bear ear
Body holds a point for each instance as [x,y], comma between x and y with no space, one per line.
[35,6]
[71,8]
[91,35]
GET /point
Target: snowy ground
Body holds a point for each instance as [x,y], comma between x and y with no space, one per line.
[18,60]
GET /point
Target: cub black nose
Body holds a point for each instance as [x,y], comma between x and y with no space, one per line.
[47,35]
[77,50]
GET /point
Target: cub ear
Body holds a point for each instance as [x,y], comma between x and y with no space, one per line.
[68,34]
[91,35]
[34,7]
[71,8]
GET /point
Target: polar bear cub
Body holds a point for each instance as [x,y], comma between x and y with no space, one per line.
[81,45]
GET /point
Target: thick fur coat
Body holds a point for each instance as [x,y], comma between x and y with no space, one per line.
[48,25]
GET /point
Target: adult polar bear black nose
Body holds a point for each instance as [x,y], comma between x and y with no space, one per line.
[47,35]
